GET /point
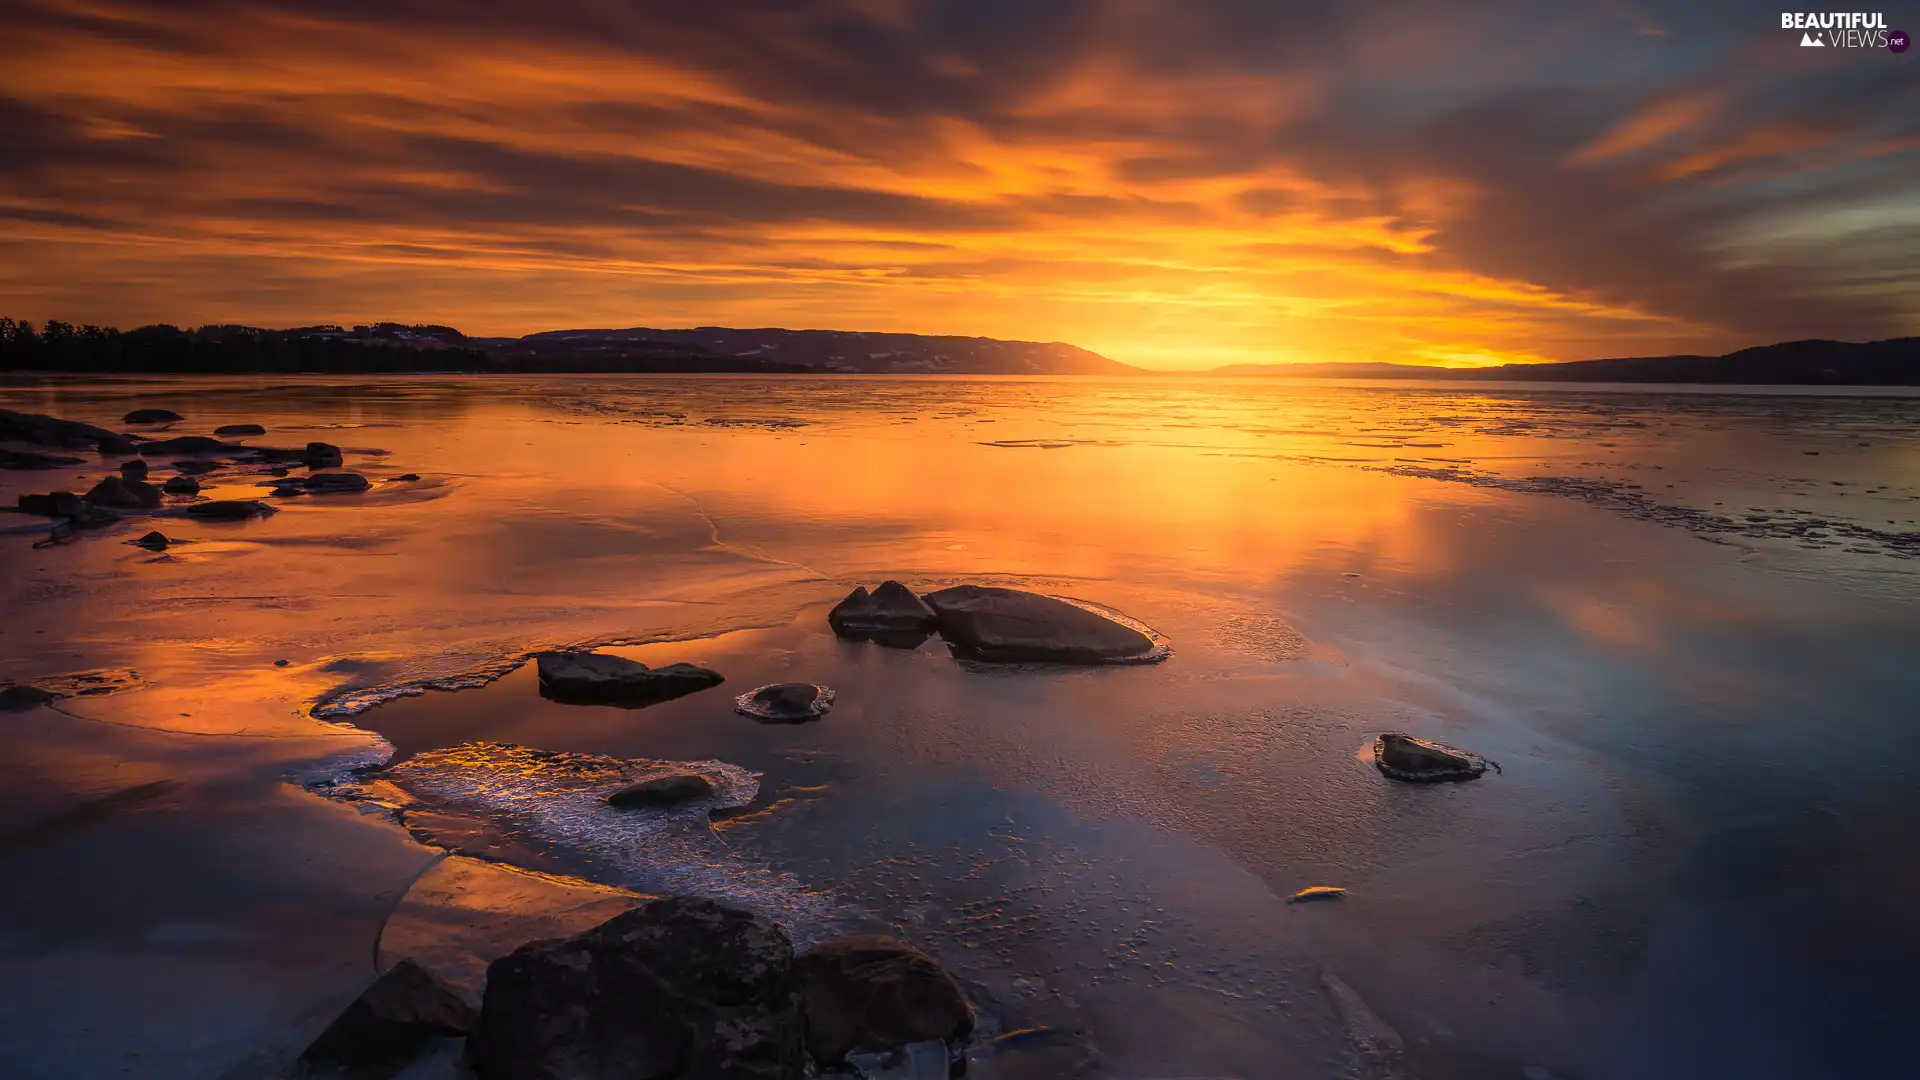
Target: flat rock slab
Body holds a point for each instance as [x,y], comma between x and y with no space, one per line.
[982,622]
[785,703]
[666,789]
[1405,757]
[587,678]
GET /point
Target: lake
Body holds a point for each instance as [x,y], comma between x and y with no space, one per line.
[1685,623]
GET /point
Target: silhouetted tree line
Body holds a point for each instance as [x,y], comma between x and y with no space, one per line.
[62,347]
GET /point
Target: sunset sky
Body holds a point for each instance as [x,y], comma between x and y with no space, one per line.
[1170,184]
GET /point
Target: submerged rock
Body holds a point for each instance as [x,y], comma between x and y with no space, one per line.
[872,993]
[890,615]
[151,416]
[1404,757]
[666,789]
[185,444]
[240,429]
[385,1026]
[588,678]
[19,697]
[334,483]
[181,485]
[786,702]
[230,509]
[34,459]
[319,455]
[675,989]
[61,533]
[124,494]
[133,470]
[987,623]
[154,541]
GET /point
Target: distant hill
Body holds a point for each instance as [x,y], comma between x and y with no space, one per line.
[842,350]
[1893,362]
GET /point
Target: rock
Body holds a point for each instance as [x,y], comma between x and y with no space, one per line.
[406,476]
[277,472]
[1313,893]
[385,1026]
[334,483]
[65,504]
[41,430]
[675,989]
[230,509]
[115,445]
[666,789]
[124,494]
[181,485]
[1404,757]
[34,459]
[186,444]
[61,533]
[986,623]
[151,416]
[870,993]
[321,455]
[890,615]
[196,467]
[240,429]
[786,702]
[19,697]
[133,470]
[154,541]
[588,678]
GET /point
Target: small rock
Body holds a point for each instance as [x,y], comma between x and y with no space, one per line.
[786,702]
[406,476]
[665,789]
[890,615]
[335,483]
[873,993]
[675,989]
[240,429]
[587,678]
[181,485]
[154,541]
[385,1026]
[19,697]
[230,509]
[1317,892]
[151,416]
[321,455]
[1012,625]
[281,663]
[278,471]
[133,470]
[1404,757]
[124,494]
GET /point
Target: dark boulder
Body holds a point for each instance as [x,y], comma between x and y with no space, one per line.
[34,459]
[405,476]
[239,429]
[19,697]
[873,993]
[185,444]
[385,1026]
[665,789]
[1404,757]
[987,623]
[889,615]
[154,541]
[65,504]
[334,483]
[151,416]
[676,989]
[120,494]
[230,509]
[196,467]
[133,470]
[321,455]
[588,678]
[181,485]
[788,703]
[42,430]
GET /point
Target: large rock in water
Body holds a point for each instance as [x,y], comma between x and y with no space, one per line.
[386,1024]
[43,430]
[34,459]
[1404,757]
[987,623]
[586,678]
[889,615]
[239,429]
[335,483]
[319,455]
[676,989]
[151,416]
[871,993]
[230,509]
[124,494]
[186,444]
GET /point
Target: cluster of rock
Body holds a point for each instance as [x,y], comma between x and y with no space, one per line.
[674,989]
[999,625]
